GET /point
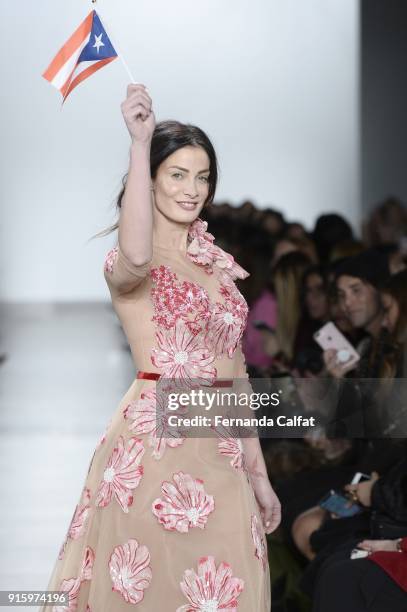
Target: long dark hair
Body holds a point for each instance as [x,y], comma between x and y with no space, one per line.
[168,137]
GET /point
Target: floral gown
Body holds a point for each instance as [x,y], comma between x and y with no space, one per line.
[169,524]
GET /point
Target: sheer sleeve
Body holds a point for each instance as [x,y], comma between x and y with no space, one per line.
[121,274]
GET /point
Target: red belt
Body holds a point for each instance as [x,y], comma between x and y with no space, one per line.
[218,382]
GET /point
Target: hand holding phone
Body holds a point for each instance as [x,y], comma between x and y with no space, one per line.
[330,338]
[359,477]
[339,354]
[339,505]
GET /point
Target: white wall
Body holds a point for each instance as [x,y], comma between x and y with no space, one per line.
[273,82]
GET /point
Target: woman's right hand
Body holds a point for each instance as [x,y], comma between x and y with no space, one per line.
[138,114]
[377,545]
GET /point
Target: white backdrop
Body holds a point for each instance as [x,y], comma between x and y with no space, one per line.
[275,83]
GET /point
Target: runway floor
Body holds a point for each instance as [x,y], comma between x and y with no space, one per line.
[66,369]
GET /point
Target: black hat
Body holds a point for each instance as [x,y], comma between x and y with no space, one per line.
[370,266]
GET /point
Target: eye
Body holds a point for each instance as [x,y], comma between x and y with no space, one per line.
[204,179]
[176,175]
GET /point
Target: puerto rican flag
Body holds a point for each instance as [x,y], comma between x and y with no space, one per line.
[86,51]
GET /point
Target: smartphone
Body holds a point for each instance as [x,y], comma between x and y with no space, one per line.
[262,326]
[359,477]
[339,504]
[358,553]
[329,337]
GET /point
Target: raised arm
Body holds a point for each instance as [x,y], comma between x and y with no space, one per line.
[128,263]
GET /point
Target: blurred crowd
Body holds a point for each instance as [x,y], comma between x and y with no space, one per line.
[299,281]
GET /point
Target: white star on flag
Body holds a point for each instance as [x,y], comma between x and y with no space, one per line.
[98,42]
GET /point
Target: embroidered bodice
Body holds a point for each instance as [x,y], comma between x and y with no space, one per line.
[185,317]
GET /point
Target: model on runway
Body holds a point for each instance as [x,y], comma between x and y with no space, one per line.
[170,524]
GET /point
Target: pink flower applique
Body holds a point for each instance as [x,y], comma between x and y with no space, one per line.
[173,300]
[198,229]
[71,586]
[225,261]
[226,327]
[130,570]
[78,522]
[212,588]
[202,251]
[122,474]
[183,355]
[183,505]
[80,517]
[149,415]
[110,259]
[230,291]
[260,548]
[233,448]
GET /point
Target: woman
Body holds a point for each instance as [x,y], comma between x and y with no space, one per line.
[394,302]
[168,523]
[308,355]
[359,585]
[287,276]
[377,583]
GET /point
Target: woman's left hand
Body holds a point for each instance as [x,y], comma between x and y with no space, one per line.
[270,507]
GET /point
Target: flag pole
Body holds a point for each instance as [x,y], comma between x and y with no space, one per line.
[108,29]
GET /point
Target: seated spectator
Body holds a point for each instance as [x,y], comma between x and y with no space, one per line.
[347,248]
[315,305]
[358,280]
[330,230]
[387,224]
[376,583]
[286,279]
[384,500]
[263,310]
[296,231]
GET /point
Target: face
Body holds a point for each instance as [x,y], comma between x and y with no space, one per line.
[391,312]
[359,301]
[315,297]
[182,183]
[282,248]
[296,230]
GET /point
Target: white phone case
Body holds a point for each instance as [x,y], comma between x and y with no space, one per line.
[329,337]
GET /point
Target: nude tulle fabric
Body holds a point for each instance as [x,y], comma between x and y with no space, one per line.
[168,527]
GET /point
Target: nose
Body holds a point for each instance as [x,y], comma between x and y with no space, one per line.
[190,189]
[347,302]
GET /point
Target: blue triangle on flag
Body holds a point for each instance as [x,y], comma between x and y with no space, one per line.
[99,46]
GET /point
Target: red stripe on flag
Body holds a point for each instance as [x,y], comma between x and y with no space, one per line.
[68,87]
[69,47]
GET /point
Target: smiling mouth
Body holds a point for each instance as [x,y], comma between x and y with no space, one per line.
[187,205]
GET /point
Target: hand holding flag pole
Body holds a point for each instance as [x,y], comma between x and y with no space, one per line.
[86,51]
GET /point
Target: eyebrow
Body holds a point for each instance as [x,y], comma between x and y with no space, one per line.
[186,170]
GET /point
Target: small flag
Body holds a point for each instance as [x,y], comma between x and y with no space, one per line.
[86,51]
